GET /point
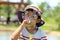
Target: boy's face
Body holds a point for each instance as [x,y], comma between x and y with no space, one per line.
[30,14]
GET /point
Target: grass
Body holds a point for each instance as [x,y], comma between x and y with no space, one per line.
[8,27]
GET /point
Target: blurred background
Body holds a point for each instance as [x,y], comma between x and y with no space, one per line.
[9,21]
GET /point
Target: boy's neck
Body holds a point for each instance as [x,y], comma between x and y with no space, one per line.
[32,29]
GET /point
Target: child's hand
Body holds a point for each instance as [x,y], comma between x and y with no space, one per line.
[24,23]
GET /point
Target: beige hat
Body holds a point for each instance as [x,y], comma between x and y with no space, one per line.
[34,8]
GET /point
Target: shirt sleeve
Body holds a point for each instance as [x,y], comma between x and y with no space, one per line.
[43,35]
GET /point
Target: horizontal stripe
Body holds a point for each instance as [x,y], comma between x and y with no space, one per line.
[24,37]
[44,38]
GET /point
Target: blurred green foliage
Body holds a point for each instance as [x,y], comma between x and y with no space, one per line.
[50,16]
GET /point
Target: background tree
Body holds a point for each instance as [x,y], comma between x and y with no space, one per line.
[29,2]
[57,13]
[42,5]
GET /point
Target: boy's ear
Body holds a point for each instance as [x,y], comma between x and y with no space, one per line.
[19,14]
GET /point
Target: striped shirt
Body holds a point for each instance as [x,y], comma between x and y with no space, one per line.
[39,35]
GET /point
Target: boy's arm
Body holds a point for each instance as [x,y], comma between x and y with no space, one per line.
[16,34]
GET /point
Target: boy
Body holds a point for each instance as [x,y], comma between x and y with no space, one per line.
[29,29]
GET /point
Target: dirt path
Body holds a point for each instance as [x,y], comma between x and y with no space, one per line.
[53,33]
